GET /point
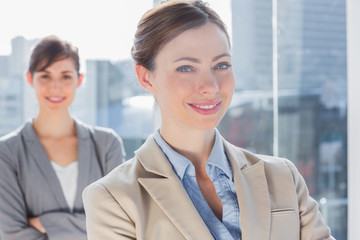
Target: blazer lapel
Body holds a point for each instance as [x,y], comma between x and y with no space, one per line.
[37,151]
[85,149]
[167,191]
[252,192]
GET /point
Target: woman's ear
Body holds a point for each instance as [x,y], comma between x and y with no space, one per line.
[144,77]
[29,78]
[80,79]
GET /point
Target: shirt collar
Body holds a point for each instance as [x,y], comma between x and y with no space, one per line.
[218,157]
[180,164]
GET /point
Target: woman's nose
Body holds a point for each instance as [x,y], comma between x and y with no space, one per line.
[55,83]
[208,83]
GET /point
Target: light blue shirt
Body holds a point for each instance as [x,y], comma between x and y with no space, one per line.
[220,173]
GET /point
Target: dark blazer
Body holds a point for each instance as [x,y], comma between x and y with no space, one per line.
[144,199]
[29,186]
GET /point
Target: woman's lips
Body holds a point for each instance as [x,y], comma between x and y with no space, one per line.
[55,99]
[206,108]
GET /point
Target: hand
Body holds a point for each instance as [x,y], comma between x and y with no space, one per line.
[35,223]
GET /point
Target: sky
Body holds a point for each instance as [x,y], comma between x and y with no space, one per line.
[100,29]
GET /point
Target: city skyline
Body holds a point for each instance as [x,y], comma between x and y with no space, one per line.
[101,30]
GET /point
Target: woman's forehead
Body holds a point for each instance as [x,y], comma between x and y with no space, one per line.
[207,39]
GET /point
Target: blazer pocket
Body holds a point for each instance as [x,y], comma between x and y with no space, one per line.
[282,211]
[285,224]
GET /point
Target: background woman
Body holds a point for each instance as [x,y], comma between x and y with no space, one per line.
[47,162]
[186,181]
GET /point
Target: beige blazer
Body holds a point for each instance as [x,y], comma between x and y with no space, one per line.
[144,199]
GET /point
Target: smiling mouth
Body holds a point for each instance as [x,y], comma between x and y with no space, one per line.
[205,107]
[55,99]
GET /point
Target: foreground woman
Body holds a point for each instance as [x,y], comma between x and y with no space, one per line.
[187,181]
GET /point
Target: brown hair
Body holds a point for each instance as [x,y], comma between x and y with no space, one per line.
[163,23]
[51,49]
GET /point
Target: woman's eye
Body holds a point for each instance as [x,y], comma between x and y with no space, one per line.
[223,65]
[186,68]
[67,77]
[46,77]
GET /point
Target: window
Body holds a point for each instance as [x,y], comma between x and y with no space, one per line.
[353,39]
[295,107]
[296,72]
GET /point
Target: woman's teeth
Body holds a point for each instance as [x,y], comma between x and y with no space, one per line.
[206,107]
[55,99]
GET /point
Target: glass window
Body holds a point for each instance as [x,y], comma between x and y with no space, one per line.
[297,111]
[353,49]
[313,118]
[300,111]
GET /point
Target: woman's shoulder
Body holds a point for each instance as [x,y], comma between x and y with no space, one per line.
[14,137]
[272,160]
[11,136]
[279,168]
[101,133]
[280,173]
[272,164]
[122,180]
[13,143]
[277,164]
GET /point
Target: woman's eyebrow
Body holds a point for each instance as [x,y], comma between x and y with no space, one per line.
[220,56]
[191,59]
[195,60]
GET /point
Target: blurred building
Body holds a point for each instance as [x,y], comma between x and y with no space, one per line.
[157,2]
[252,44]
[311,44]
[312,85]
[107,85]
[14,102]
[112,97]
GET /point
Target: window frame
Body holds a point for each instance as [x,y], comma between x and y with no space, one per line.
[353,58]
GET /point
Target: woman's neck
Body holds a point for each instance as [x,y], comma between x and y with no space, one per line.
[194,144]
[54,125]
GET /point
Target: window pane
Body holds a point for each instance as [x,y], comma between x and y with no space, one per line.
[312,95]
[249,121]
[313,100]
